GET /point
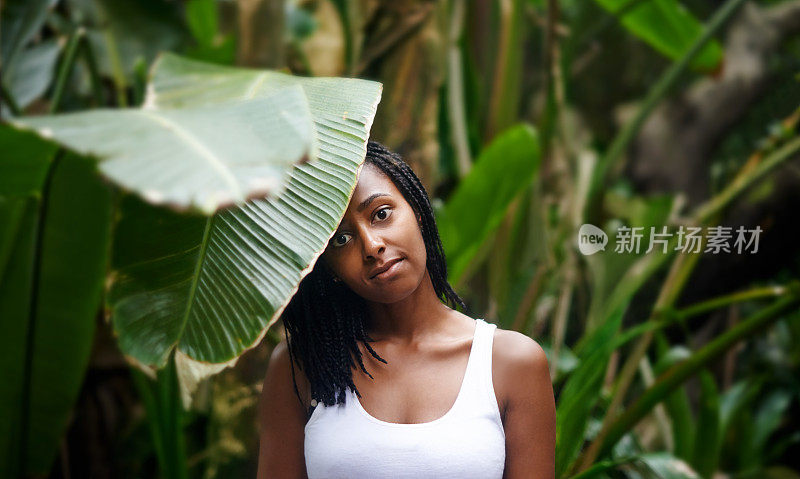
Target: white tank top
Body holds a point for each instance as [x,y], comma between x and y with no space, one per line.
[345,441]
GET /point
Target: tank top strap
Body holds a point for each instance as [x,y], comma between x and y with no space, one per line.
[483,352]
[478,387]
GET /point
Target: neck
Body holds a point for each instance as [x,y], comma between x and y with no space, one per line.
[419,315]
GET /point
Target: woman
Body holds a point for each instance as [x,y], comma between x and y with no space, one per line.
[381,376]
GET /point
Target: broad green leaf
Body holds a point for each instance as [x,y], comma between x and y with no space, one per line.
[49,298]
[668,27]
[12,212]
[210,287]
[24,162]
[203,157]
[502,172]
[122,33]
[19,22]
[201,15]
[23,166]
[15,293]
[211,45]
[32,72]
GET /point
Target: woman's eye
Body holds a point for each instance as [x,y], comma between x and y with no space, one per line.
[382,214]
[387,212]
[336,237]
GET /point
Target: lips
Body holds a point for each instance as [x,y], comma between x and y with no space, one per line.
[382,268]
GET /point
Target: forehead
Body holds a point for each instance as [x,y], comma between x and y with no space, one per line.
[372,180]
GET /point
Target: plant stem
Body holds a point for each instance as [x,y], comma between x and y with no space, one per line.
[455,90]
[721,200]
[78,36]
[670,317]
[117,69]
[94,72]
[164,412]
[503,102]
[738,297]
[559,325]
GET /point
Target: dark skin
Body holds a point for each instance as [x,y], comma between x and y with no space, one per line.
[425,342]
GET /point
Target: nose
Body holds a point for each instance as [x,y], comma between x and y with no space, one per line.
[372,244]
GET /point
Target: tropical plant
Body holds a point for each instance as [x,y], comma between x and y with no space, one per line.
[204,287]
[503,109]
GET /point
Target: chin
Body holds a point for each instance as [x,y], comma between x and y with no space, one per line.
[394,291]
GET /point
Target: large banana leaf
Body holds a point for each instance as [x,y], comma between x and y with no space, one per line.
[203,157]
[23,167]
[49,297]
[209,287]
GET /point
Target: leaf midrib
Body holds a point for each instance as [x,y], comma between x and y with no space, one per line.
[195,279]
[194,143]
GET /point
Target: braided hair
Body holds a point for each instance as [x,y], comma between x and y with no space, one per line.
[325,320]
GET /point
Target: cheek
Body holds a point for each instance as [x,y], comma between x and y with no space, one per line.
[418,241]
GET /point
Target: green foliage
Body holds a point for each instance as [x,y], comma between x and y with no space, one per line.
[582,392]
[169,277]
[49,297]
[504,169]
[202,17]
[508,228]
[667,26]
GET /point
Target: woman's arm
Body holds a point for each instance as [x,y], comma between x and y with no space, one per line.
[529,408]
[281,419]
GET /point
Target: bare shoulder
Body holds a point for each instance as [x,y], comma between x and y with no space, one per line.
[278,386]
[516,350]
[282,418]
[280,355]
[519,365]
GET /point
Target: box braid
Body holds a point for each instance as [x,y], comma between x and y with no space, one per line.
[325,320]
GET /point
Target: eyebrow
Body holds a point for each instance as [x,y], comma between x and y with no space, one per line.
[371,197]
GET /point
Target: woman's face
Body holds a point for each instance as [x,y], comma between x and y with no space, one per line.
[378,228]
